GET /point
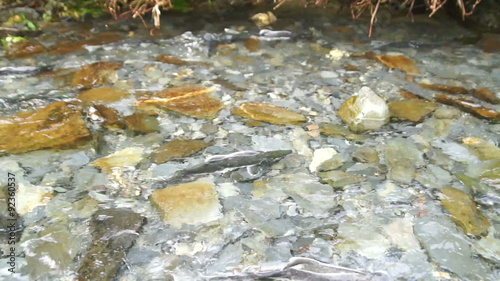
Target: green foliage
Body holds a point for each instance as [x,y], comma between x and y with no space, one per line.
[21,19]
[9,40]
[180,5]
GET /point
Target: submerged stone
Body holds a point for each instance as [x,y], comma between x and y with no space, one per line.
[190,100]
[471,107]
[113,233]
[402,159]
[321,156]
[464,211]
[413,109]
[191,203]
[102,94]
[366,154]
[454,90]
[339,179]
[111,118]
[339,131]
[364,111]
[171,60]
[141,123]
[482,149]
[269,113]
[29,196]
[95,74]
[128,157]
[24,48]
[176,149]
[485,95]
[400,62]
[252,44]
[57,125]
[98,39]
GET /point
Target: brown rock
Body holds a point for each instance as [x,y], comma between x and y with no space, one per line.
[66,47]
[226,84]
[252,44]
[400,62]
[141,123]
[95,74]
[351,67]
[470,107]
[177,148]
[490,43]
[269,113]
[413,109]
[190,203]
[485,95]
[408,95]
[171,60]
[102,94]
[464,212]
[454,90]
[24,49]
[111,118]
[190,100]
[56,125]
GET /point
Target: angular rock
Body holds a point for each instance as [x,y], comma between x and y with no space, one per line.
[414,109]
[177,148]
[339,178]
[263,19]
[191,203]
[171,60]
[402,159]
[24,48]
[269,113]
[470,107]
[400,62]
[321,156]
[453,90]
[363,239]
[366,154]
[113,233]
[339,131]
[111,118]
[102,94]
[95,74]
[128,157]
[30,196]
[57,125]
[464,211]
[141,123]
[189,100]
[482,149]
[364,111]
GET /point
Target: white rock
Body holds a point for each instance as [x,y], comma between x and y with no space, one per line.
[320,156]
[364,111]
[328,74]
[29,196]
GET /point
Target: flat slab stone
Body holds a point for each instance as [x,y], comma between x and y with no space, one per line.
[269,113]
[57,125]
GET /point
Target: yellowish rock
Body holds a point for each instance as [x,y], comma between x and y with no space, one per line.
[400,62]
[57,125]
[264,19]
[128,157]
[364,111]
[102,94]
[177,148]
[30,196]
[269,113]
[464,212]
[140,122]
[190,100]
[414,109]
[191,203]
[95,74]
[482,149]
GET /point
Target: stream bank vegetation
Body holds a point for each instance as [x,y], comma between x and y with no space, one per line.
[55,10]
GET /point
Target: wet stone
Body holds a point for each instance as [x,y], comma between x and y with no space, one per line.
[171,60]
[263,19]
[190,100]
[364,111]
[177,149]
[464,211]
[57,125]
[95,74]
[65,47]
[128,157]
[448,89]
[141,123]
[489,42]
[414,109]
[191,203]
[339,179]
[112,120]
[114,231]
[252,44]
[102,94]
[24,49]
[269,113]
[470,107]
[482,149]
[402,159]
[366,154]
[339,131]
[485,95]
[400,62]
